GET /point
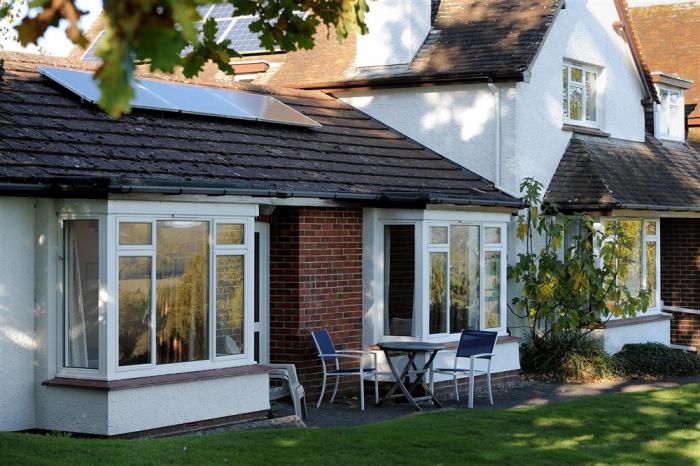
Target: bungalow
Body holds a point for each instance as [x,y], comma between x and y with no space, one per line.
[151,265]
[551,89]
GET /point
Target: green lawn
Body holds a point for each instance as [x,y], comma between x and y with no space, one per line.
[661,427]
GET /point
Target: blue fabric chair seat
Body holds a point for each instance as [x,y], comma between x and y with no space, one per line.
[332,357]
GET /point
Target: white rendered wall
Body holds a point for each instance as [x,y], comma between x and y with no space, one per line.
[582,31]
[615,338]
[17,339]
[133,410]
[397,28]
[456,121]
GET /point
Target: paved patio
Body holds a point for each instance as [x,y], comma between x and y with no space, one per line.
[346,412]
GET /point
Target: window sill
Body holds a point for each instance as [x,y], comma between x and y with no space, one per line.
[584,130]
[635,320]
[139,382]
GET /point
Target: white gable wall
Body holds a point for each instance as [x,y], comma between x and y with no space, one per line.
[582,31]
[456,121]
[17,340]
[459,122]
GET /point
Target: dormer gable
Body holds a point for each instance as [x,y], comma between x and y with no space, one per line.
[669,113]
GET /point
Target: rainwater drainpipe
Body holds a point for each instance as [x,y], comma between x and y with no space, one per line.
[497,147]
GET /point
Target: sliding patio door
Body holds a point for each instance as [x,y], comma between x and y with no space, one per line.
[261,326]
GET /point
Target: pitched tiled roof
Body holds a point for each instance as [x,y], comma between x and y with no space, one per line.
[669,37]
[605,173]
[48,136]
[474,39]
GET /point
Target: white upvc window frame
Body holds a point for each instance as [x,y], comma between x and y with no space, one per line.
[484,247]
[109,214]
[91,213]
[646,238]
[664,111]
[585,68]
[375,222]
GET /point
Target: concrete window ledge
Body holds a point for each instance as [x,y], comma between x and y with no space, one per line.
[584,130]
[636,320]
[138,382]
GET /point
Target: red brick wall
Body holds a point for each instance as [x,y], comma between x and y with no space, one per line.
[680,262]
[315,283]
[680,276]
[685,329]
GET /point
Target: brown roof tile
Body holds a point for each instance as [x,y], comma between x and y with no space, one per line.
[670,40]
[598,172]
[47,135]
[479,38]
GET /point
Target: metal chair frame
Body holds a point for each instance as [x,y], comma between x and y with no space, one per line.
[337,355]
[471,370]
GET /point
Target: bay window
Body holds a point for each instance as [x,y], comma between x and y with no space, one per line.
[146,293]
[473,278]
[580,93]
[443,277]
[642,265]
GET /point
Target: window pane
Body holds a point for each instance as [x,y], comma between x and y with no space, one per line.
[651,272]
[650,227]
[134,310]
[576,74]
[399,279]
[565,84]
[590,96]
[438,235]
[492,289]
[630,273]
[438,292]
[82,294]
[134,233]
[575,103]
[182,279]
[464,278]
[229,305]
[492,235]
[229,233]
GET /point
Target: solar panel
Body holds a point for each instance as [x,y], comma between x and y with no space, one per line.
[243,40]
[187,98]
[237,30]
[89,54]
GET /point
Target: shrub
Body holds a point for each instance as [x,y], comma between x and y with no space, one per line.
[656,360]
[567,357]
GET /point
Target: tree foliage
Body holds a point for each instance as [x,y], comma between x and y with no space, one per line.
[157,32]
[569,288]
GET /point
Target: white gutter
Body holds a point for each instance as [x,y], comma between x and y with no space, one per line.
[497,147]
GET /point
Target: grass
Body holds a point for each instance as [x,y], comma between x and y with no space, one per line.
[659,427]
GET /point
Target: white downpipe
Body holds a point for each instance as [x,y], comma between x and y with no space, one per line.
[497,146]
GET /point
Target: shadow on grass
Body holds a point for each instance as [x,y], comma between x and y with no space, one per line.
[654,427]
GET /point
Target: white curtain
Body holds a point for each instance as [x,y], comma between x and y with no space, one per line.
[77,340]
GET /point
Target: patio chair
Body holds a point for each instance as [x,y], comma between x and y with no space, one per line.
[287,373]
[475,345]
[329,355]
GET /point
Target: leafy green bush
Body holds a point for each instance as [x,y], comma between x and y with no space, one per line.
[567,357]
[656,360]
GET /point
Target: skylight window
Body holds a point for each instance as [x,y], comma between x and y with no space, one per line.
[187,98]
